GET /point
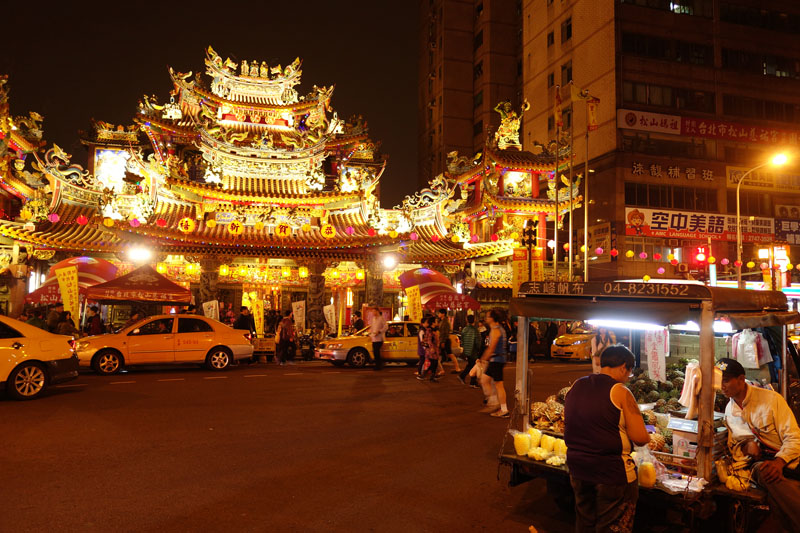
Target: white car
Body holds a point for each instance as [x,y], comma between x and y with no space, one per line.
[166,339]
[31,359]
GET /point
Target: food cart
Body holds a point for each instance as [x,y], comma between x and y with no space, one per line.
[653,303]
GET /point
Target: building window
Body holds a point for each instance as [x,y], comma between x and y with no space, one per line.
[477,129]
[760,64]
[478,40]
[742,106]
[566,30]
[477,100]
[670,197]
[667,49]
[551,123]
[698,8]
[551,79]
[551,39]
[566,73]
[519,68]
[477,70]
[566,117]
[752,203]
[672,97]
[759,18]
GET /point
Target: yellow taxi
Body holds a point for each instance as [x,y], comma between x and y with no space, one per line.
[400,346]
[575,345]
[166,339]
[32,359]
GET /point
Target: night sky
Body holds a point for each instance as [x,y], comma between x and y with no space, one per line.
[81,60]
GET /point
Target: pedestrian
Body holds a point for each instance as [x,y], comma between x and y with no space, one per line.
[471,343]
[494,361]
[775,447]
[94,324]
[54,316]
[431,345]
[377,333]
[358,325]
[602,340]
[246,321]
[426,322]
[65,325]
[445,343]
[285,336]
[37,320]
[602,420]
[483,331]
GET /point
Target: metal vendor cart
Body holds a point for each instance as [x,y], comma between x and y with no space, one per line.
[653,303]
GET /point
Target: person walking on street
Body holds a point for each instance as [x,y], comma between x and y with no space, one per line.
[285,336]
[377,334]
[494,359]
[54,316]
[471,343]
[430,342]
[602,340]
[421,351]
[358,324]
[444,340]
[246,321]
[602,419]
[94,325]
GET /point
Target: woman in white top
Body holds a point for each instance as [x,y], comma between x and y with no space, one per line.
[602,340]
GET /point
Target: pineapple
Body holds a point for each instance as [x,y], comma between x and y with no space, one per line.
[562,394]
[657,442]
[650,417]
[538,409]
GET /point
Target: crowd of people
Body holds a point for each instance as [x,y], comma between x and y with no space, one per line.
[55,319]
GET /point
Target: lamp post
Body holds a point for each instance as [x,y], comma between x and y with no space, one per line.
[777,160]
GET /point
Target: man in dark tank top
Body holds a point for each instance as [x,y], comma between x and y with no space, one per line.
[603,422]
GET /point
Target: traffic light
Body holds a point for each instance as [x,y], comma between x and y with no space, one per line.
[700,255]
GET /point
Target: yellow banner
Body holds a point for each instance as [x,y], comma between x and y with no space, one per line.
[519,267]
[414,303]
[68,284]
[258,316]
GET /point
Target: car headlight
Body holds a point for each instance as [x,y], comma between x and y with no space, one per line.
[335,346]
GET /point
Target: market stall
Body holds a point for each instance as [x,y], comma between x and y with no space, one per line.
[91,272]
[649,306]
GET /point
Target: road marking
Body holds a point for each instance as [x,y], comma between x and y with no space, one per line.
[255,375]
[216,377]
[69,386]
[121,382]
[294,374]
[173,379]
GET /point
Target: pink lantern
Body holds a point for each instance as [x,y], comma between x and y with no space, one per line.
[764,266]
[135,223]
[598,251]
[474,238]
[413,236]
[53,217]
[643,255]
[724,261]
[350,230]
[660,270]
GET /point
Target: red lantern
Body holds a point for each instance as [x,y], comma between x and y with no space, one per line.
[614,252]
[371,232]
[737,263]
[656,256]
[673,262]
[435,238]
[161,222]
[82,220]
[494,237]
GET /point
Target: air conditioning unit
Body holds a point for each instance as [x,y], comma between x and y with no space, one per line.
[683,267]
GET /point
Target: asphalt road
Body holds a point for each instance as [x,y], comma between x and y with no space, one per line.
[304,447]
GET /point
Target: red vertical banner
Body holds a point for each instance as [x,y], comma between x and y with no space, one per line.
[591,113]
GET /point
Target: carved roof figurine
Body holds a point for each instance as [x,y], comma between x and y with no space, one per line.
[507,134]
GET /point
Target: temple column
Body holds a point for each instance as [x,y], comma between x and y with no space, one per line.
[375,284]
[209,277]
[316,295]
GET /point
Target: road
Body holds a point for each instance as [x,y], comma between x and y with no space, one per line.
[305,447]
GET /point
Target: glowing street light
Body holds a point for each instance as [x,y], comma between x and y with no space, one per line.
[139,254]
[776,161]
[389,261]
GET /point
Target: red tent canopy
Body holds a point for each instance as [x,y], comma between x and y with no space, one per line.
[436,291]
[141,285]
[91,271]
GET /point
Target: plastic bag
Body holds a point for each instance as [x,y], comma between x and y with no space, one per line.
[522,441]
[479,368]
[649,468]
[746,350]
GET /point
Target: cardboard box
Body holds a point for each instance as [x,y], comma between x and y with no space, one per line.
[684,437]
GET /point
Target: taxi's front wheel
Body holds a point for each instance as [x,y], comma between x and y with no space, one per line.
[357,357]
[219,359]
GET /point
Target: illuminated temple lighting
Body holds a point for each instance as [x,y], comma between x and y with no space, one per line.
[303,272]
[224,270]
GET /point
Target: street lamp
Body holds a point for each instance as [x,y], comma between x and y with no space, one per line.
[776,161]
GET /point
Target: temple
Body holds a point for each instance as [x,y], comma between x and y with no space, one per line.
[239,181]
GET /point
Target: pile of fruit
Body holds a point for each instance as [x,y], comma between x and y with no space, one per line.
[661,440]
[664,394]
[541,447]
[549,414]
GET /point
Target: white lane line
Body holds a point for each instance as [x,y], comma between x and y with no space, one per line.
[216,377]
[69,386]
[121,382]
[255,375]
[172,379]
[294,374]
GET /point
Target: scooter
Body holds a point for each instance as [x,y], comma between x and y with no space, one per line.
[306,346]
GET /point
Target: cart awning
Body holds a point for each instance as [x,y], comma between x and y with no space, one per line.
[436,291]
[141,285]
[91,271]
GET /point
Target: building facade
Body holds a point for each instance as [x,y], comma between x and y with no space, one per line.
[693,94]
[469,60]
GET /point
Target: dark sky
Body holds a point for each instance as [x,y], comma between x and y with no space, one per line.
[78,60]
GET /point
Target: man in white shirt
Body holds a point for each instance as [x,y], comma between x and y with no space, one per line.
[377,332]
[776,447]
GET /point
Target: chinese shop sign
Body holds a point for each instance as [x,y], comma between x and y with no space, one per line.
[68,283]
[763,179]
[689,225]
[657,170]
[787,230]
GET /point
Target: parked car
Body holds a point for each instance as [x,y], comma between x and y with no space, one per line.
[32,359]
[166,339]
[575,345]
[356,350]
